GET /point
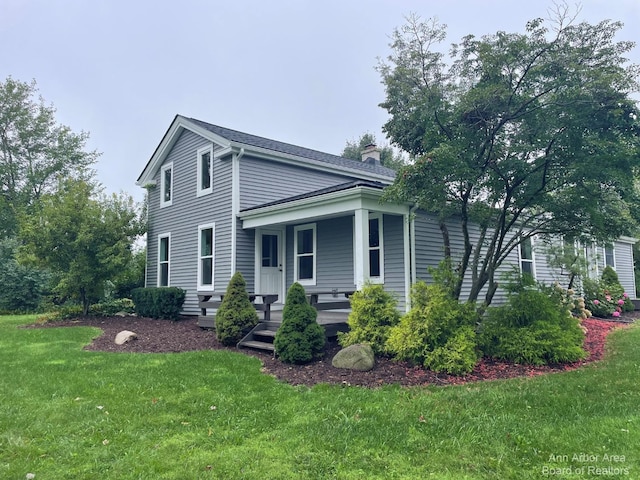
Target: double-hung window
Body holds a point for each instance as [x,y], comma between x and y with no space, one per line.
[304,247]
[526,257]
[206,250]
[376,252]
[205,170]
[609,256]
[164,259]
[166,185]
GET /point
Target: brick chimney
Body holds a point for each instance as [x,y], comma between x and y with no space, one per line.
[371,154]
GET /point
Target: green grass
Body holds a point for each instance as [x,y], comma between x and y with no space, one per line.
[66,413]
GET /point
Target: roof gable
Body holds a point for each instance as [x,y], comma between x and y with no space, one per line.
[233,140]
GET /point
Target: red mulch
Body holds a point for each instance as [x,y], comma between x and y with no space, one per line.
[161,336]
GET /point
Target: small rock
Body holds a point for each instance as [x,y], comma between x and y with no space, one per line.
[355,357]
[125,336]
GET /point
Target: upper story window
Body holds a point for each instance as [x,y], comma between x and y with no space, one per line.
[164,248]
[376,252]
[166,185]
[205,170]
[206,250]
[527,264]
[609,256]
[304,247]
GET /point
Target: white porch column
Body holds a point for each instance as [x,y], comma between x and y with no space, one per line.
[361,246]
[406,220]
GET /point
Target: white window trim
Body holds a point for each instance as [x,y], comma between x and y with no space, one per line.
[201,151]
[532,260]
[201,286]
[163,202]
[296,229]
[604,256]
[379,279]
[160,237]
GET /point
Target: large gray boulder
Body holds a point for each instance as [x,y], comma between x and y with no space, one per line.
[355,357]
[125,336]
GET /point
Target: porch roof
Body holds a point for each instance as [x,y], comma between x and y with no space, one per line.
[334,201]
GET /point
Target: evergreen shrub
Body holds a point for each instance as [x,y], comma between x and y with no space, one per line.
[158,302]
[373,312]
[532,328]
[300,338]
[438,331]
[236,315]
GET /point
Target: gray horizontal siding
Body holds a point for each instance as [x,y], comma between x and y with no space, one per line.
[263,181]
[183,217]
[393,243]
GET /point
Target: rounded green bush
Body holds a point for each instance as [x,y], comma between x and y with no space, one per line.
[299,339]
[373,312]
[236,315]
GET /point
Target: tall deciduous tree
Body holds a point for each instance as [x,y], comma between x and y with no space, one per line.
[388,157]
[515,134]
[83,240]
[35,151]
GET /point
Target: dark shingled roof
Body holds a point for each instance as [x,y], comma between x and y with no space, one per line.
[255,141]
[322,191]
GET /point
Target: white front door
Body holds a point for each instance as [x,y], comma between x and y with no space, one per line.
[270,262]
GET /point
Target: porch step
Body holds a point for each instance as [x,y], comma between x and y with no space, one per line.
[261,337]
[256,344]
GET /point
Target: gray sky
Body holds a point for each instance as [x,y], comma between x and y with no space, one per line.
[296,71]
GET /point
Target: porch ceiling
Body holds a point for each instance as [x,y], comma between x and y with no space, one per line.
[327,205]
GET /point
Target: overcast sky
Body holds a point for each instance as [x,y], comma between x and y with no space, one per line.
[301,72]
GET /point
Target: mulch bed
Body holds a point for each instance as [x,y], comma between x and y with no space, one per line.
[163,336]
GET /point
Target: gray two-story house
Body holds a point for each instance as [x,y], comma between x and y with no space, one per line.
[222,201]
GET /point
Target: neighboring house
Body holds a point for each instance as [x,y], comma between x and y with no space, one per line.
[222,201]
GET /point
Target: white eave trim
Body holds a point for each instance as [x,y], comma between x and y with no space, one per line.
[630,240]
[320,206]
[168,141]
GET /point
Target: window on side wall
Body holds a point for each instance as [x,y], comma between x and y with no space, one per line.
[609,256]
[206,250]
[205,170]
[376,249]
[166,185]
[304,247]
[164,260]
[526,257]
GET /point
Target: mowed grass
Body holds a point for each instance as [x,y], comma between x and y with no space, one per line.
[66,413]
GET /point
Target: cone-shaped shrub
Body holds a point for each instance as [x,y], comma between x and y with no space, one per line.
[299,339]
[236,314]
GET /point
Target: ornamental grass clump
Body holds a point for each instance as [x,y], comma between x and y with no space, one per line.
[299,339]
[236,315]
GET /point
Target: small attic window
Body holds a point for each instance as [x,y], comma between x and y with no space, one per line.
[166,185]
[205,170]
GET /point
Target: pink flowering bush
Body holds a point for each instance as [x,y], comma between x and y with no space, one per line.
[607,298]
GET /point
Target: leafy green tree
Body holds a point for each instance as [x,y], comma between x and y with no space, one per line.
[515,134]
[22,287]
[84,241]
[388,157]
[300,338]
[35,152]
[236,314]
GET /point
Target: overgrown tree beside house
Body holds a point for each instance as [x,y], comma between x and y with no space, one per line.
[514,135]
[85,239]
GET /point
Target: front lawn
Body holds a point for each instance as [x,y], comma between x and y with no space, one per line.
[67,413]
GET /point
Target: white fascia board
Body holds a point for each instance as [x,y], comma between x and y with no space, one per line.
[168,141]
[328,205]
[305,162]
[630,240]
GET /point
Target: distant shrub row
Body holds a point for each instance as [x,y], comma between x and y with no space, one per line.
[158,302]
